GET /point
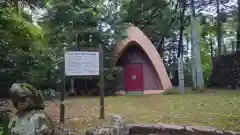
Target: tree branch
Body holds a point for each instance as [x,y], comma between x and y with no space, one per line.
[169,25]
[154,13]
[180,45]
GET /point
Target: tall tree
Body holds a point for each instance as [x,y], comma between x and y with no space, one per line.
[24,50]
[196,60]
[181,48]
[157,19]
[84,24]
[219,34]
[238,27]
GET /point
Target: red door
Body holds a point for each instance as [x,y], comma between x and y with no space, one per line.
[133,76]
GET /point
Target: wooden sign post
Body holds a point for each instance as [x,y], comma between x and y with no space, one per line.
[101,53]
[61,88]
[86,63]
[62,107]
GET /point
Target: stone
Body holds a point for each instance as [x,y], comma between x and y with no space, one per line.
[230,133]
[189,131]
[30,119]
[90,131]
[218,132]
[158,129]
[101,131]
[201,130]
[119,127]
[116,120]
[172,129]
[144,129]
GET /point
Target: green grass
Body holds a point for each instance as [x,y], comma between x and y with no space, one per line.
[1,130]
[220,111]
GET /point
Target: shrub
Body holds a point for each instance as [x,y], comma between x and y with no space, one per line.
[5,114]
[111,78]
[171,92]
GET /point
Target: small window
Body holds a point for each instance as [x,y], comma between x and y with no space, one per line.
[134,77]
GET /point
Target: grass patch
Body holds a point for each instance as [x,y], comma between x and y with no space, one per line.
[171,92]
[220,111]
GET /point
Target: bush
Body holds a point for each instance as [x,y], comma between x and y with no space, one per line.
[226,70]
[4,119]
[171,92]
[111,78]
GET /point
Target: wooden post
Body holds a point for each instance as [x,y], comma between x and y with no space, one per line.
[72,91]
[62,87]
[101,73]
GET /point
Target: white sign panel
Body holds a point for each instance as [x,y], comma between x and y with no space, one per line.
[81,63]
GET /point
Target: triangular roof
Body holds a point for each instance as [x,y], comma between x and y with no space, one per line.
[134,34]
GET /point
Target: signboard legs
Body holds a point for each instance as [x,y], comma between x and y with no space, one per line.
[62,107]
[101,64]
[85,63]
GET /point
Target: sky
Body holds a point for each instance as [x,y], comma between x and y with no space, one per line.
[211,10]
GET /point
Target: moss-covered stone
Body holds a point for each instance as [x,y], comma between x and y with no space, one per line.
[30,119]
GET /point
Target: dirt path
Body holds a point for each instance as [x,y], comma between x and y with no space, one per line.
[75,114]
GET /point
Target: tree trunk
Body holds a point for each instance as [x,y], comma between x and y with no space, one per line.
[187,48]
[233,46]
[180,50]
[224,47]
[16,4]
[160,46]
[193,33]
[211,48]
[72,89]
[238,28]
[196,59]
[219,32]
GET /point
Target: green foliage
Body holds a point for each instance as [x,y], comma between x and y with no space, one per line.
[112,78]
[171,92]
[29,87]
[1,130]
[156,19]
[205,54]
[84,24]
[33,54]
[4,119]
[206,60]
[36,53]
[23,47]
